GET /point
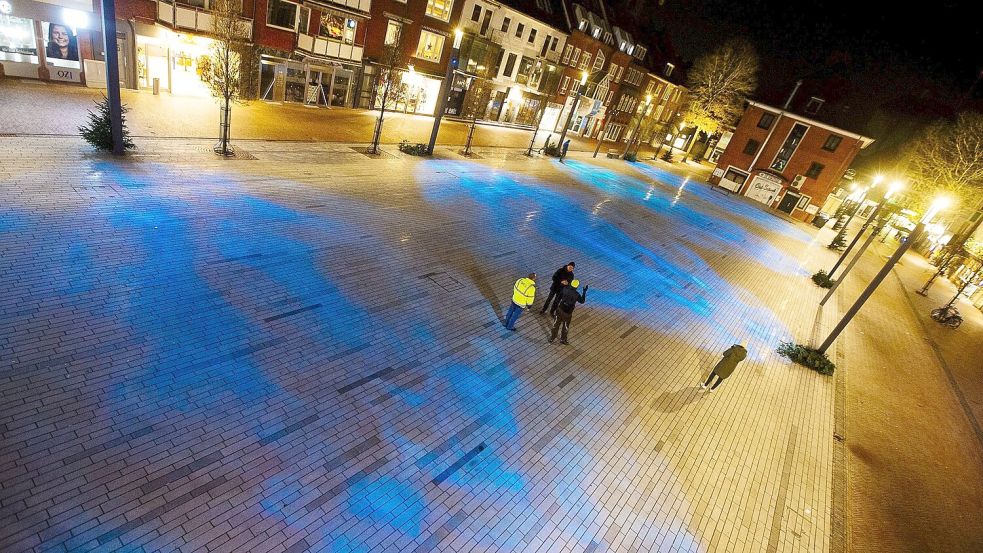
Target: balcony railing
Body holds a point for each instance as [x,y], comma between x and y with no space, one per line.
[328,48]
[360,5]
[181,17]
[492,34]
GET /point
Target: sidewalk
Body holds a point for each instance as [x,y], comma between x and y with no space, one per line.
[909,420]
[39,108]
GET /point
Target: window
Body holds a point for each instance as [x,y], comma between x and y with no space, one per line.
[621,69]
[440,9]
[789,147]
[526,66]
[564,85]
[282,14]
[431,46]
[509,65]
[576,57]
[610,96]
[585,61]
[832,143]
[598,62]
[546,45]
[566,54]
[669,68]
[803,202]
[476,14]
[812,107]
[814,170]
[766,120]
[556,40]
[735,176]
[338,27]
[506,23]
[751,147]
[519,30]
[532,36]
[393,30]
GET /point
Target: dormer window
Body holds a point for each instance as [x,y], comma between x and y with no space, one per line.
[583,24]
[812,107]
[669,68]
[630,50]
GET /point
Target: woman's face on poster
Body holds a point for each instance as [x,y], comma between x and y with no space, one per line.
[59,35]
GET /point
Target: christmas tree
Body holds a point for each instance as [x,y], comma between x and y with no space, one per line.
[99,131]
[839,242]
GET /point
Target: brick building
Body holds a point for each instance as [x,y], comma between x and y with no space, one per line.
[786,161]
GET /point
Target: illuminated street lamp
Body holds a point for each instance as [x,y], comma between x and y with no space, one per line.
[895,186]
[938,205]
[860,202]
[573,109]
[634,135]
[445,88]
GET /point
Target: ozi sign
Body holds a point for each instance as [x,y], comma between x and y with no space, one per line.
[66,74]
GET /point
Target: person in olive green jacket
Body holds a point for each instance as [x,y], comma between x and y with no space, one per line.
[725,367]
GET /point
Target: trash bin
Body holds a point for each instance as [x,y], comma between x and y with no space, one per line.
[820,220]
[156,86]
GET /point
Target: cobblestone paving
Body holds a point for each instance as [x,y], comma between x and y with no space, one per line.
[304,352]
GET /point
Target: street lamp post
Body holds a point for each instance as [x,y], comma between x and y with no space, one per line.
[849,266]
[542,112]
[573,109]
[112,75]
[915,234]
[445,88]
[962,288]
[603,131]
[871,219]
[860,202]
[634,135]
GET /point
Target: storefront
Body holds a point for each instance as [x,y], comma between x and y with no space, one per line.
[411,92]
[45,40]
[312,83]
[175,60]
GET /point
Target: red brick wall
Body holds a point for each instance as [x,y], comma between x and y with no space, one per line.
[415,10]
[271,37]
[144,10]
[810,150]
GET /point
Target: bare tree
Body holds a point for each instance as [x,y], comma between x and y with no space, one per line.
[223,72]
[391,76]
[947,159]
[719,83]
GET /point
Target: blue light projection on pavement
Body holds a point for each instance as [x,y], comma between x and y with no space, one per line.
[509,205]
[168,266]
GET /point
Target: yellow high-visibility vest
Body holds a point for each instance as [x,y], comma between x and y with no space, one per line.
[524,292]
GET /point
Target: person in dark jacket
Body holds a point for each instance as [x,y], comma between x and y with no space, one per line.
[725,367]
[569,297]
[562,277]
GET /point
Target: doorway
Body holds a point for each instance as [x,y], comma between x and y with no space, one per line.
[789,201]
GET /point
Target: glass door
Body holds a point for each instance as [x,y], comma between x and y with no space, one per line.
[341,87]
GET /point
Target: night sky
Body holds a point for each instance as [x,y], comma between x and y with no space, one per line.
[878,49]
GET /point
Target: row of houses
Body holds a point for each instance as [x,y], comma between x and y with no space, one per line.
[528,58]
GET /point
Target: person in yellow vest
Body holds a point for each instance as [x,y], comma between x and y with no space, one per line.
[523,294]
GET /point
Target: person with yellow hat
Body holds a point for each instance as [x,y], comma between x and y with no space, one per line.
[725,367]
[523,294]
[569,298]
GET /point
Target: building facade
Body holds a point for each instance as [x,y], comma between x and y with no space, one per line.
[49,40]
[786,161]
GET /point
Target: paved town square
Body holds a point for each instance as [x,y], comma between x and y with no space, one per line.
[289,352]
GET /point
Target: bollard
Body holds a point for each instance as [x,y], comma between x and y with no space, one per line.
[156,86]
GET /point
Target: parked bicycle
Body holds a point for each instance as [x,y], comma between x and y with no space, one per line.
[949,316]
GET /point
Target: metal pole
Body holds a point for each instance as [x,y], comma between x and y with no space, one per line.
[942,267]
[634,135]
[860,253]
[962,288]
[871,287]
[873,217]
[573,109]
[112,74]
[445,90]
[603,131]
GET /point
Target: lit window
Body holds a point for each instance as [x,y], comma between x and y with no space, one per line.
[440,9]
[566,54]
[575,58]
[431,46]
[393,29]
[338,27]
